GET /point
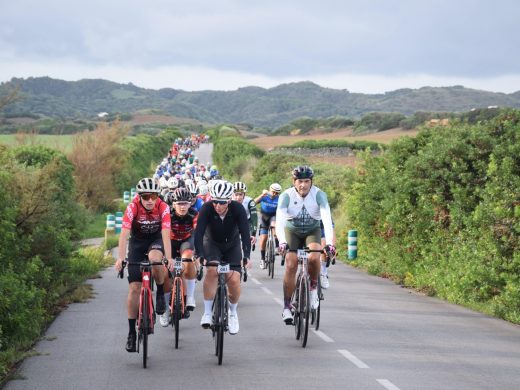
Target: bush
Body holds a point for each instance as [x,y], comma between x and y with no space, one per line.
[379,121]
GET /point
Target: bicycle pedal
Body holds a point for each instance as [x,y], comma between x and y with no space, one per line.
[186,314]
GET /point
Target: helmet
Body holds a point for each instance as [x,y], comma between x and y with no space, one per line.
[275,187]
[302,172]
[221,190]
[173,183]
[163,182]
[213,168]
[240,187]
[181,195]
[192,188]
[203,189]
[147,185]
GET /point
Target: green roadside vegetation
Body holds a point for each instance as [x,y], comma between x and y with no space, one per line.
[439,213]
[334,143]
[49,202]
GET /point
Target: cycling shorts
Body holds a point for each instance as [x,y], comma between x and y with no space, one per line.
[137,252]
[266,221]
[229,253]
[299,241]
[179,246]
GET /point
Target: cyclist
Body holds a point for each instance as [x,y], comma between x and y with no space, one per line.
[183,223]
[268,201]
[300,210]
[222,231]
[239,194]
[147,222]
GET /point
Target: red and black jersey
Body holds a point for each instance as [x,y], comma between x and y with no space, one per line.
[144,224]
[183,227]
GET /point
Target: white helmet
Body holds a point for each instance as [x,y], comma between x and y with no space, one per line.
[203,189]
[275,187]
[163,182]
[240,187]
[173,183]
[147,185]
[207,175]
[221,190]
[187,182]
[192,187]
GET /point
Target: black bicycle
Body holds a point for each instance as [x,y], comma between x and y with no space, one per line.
[221,304]
[301,296]
[270,248]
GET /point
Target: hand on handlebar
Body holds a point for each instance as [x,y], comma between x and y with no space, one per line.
[282,248]
[330,250]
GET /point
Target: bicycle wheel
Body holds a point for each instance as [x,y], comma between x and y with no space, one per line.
[268,258]
[296,304]
[145,324]
[223,323]
[177,309]
[272,259]
[304,310]
[216,320]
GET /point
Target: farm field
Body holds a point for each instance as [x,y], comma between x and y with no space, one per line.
[60,142]
[385,137]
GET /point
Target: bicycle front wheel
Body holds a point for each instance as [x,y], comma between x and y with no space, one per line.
[145,324]
[223,323]
[320,295]
[177,308]
[296,304]
[304,310]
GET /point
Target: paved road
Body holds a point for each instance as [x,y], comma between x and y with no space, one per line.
[375,335]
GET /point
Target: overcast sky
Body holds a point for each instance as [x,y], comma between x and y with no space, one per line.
[369,46]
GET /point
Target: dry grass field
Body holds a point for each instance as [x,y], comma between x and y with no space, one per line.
[385,137]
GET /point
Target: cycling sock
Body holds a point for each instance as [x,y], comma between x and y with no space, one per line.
[262,254]
[190,287]
[208,305]
[323,269]
[131,325]
[160,289]
[233,307]
[287,303]
[314,284]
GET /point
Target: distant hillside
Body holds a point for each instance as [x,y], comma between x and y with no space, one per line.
[260,107]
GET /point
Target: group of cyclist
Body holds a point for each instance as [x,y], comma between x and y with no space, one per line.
[187,210]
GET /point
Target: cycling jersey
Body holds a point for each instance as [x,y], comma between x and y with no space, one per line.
[144,224]
[226,231]
[183,226]
[198,204]
[303,215]
[250,207]
[268,205]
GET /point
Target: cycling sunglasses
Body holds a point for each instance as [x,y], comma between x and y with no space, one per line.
[221,202]
[149,196]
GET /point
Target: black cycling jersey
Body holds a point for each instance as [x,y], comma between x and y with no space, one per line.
[223,231]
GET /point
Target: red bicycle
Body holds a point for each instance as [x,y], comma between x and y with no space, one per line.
[146,315]
[177,304]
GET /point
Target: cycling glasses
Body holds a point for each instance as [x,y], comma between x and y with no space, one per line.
[149,196]
[221,202]
[182,203]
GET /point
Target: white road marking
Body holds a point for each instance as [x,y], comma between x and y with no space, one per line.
[266,290]
[323,336]
[279,301]
[256,281]
[358,363]
[387,384]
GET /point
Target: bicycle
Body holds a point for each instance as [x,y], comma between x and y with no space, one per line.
[146,314]
[220,304]
[315,313]
[301,296]
[177,303]
[270,248]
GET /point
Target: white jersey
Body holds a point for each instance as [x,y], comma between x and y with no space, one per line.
[303,214]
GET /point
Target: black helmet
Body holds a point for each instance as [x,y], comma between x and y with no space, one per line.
[302,172]
[180,195]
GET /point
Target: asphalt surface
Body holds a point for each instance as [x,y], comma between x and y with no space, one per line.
[373,335]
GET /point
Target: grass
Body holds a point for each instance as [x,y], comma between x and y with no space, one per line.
[60,142]
[96,226]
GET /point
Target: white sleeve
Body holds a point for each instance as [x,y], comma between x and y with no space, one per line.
[326,216]
[281,217]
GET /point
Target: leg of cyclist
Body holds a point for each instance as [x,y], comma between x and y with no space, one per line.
[313,241]
[190,274]
[160,275]
[324,270]
[134,288]
[262,239]
[234,256]
[209,289]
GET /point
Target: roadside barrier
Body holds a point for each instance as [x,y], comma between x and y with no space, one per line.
[119,221]
[352,244]
[126,197]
